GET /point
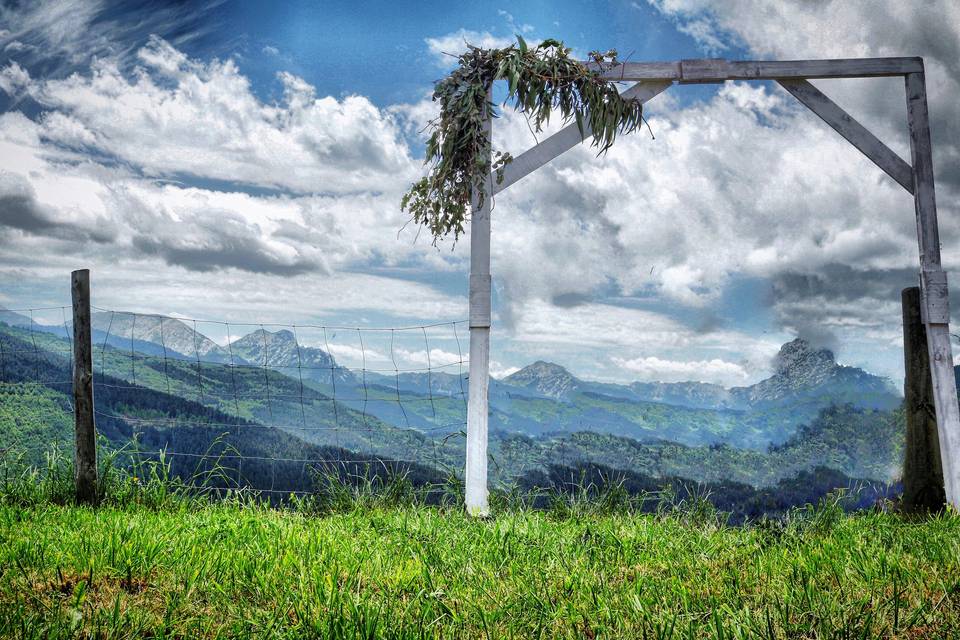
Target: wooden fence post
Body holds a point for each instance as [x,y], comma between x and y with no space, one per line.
[922,471]
[85,466]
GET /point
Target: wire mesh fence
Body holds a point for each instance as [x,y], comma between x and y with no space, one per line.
[264,406]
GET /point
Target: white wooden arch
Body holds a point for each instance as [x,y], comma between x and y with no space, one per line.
[653,78]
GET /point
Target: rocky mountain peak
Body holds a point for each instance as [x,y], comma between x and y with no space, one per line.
[798,358]
[172,334]
[540,370]
[261,337]
[803,371]
[280,349]
[545,377]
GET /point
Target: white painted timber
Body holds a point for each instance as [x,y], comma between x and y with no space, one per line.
[658,76]
[855,133]
[720,70]
[566,139]
[475,473]
[933,287]
[639,71]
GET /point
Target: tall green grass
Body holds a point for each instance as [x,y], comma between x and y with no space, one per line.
[367,558]
[245,570]
[125,478]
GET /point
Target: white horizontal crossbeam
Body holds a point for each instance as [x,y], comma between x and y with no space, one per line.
[654,77]
[855,133]
[566,139]
[720,70]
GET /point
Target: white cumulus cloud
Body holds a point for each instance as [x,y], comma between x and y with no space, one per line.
[652,368]
[176,116]
[446,48]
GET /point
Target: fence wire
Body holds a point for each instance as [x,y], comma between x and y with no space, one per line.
[265,406]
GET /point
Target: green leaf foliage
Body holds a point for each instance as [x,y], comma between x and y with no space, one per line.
[540,80]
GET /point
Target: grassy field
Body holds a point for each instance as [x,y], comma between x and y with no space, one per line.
[219,571]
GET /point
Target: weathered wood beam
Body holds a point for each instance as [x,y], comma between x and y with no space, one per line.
[566,139]
[855,133]
[85,466]
[640,71]
[935,305]
[720,70]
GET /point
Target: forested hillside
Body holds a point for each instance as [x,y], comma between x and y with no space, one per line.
[199,441]
[259,427]
[275,371]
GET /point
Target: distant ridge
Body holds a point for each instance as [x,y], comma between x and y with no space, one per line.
[546,378]
[800,372]
[540,399]
[280,350]
[170,334]
[13,318]
[806,425]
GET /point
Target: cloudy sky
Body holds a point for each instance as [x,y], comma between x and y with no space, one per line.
[245,161]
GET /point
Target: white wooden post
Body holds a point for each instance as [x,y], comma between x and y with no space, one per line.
[475,475]
[935,308]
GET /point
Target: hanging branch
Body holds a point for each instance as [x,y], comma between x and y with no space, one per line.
[540,80]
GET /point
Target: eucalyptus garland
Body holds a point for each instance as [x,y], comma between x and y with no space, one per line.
[541,79]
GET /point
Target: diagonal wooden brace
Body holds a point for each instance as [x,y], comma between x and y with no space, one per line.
[567,138]
[855,133]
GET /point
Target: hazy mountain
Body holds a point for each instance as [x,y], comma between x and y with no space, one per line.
[553,381]
[545,398]
[701,395]
[35,415]
[239,394]
[545,378]
[864,443]
[436,383]
[802,372]
[542,398]
[192,406]
[175,337]
[279,350]
[13,318]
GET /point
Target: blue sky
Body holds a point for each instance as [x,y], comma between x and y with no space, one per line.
[244,161]
[379,51]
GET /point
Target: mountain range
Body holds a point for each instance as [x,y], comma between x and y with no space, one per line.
[546,398]
[543,398]
[171,335]
[542,415]
[800,373]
